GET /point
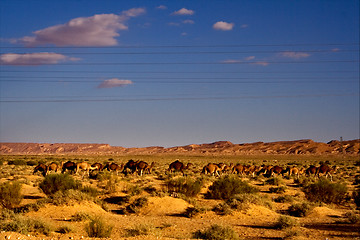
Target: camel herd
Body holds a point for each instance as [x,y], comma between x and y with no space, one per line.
[216,169]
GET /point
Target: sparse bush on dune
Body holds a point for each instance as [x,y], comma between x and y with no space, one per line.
[326,191]
[10,194]
[217,232]
[285,222]
[228,186]
[299,209]
[142,229]
[243,201]
[53,183]
[188,186]
[98,228]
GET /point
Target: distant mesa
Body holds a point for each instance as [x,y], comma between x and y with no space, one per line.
[305,146]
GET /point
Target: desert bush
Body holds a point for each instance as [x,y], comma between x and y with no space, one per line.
[217,232]
[352,217]
[274,181]
[24,225]
[142,229]
[284,199]
[222,209]
[53,183]
[69,196]
[32,163]
[134,190]
[228,186]
[188,186]
[10,194]
[98,228]
[285,222]
[243,201]
[65,229]
[280,189]
[193,211]
[80,216]
[17,162]
[325,191]
[299,209]
[90,191]
[136,205]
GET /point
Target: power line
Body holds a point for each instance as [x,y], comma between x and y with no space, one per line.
[197,63]
[178,98]
[186,46]
[197,52]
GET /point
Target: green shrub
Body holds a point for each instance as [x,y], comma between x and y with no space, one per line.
[90,191]
[284,199]
[98,228]
[243,201]
[10,194]
[299,209]
[193,211]
[53,183]
[185,185]
[142,229]
[325,191]
[17,162]
[136,205]
[24,225]
[222,209]
[228,186]
[352,217]
[285,222]
[32,163]
[80,216]
[356,197]
[217,232]
[69,196]
[280,189]
[274,181]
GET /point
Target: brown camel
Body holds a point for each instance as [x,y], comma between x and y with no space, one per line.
[312,170]
[276,170]
[141,166]
[68,166]
[53,167]
[41,168]
[111,167]
[326,170]
[149,168]
[98,166]
[178,166]
[212,169]
[239,169]
[130,166]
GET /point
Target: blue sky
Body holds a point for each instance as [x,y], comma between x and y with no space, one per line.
[170,73]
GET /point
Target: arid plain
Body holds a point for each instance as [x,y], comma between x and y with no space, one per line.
[187,204]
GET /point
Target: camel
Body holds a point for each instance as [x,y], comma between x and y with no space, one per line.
[178,166]
[239,169]
[53,167]
[41,168]
[294,171]
[68,166]
[149,168]
[312,170]
[98,166]
[252,170]
[114,167]
[212,169]
[130,166]
[84,166]
[276,170]
[228,168]
[326,170]
[141,166]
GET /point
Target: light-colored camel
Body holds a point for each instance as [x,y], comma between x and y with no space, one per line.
[85,167]
[53,167]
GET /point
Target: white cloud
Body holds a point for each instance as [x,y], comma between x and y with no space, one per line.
[114,82]
[294,55]
[162,7]
[34,58]
[98,30]
[223,26]
[261,63]
[184,11]
[230,61]
[249,58]
[188,21]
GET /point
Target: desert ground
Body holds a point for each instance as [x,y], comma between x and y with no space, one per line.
[152,207]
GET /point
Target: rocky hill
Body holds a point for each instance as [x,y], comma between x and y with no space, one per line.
[217,148]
